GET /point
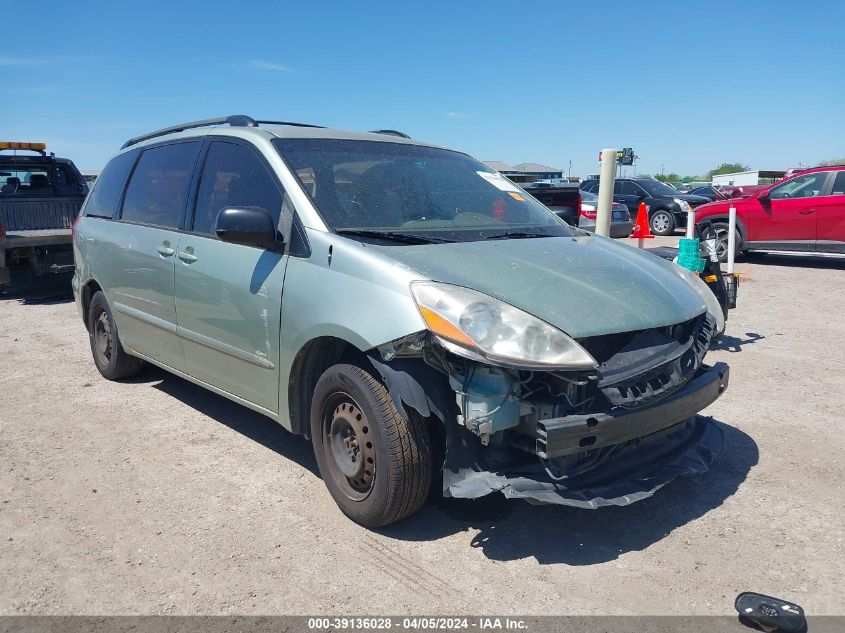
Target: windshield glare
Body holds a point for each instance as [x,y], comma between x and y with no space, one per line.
[409,189]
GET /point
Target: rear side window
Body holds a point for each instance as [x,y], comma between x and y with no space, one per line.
[104,198]
[233,176]
[158,187]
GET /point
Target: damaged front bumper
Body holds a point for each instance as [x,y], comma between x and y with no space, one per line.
[632,472]
[575,433]
[612,437]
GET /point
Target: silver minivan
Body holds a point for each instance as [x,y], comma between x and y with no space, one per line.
[421,318]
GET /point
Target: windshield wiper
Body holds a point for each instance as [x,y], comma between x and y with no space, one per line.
[513,235]
[405,238]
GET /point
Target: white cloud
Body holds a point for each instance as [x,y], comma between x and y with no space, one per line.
[261,64]
[458,115]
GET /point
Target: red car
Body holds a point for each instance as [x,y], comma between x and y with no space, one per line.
[803,213]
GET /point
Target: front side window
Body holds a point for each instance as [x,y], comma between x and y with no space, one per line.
[233,176]
[808,186]
[429,193]
[158,187]
[657,188]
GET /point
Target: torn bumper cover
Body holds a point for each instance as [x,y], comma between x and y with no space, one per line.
[634,472]
[573,433]
[630,452]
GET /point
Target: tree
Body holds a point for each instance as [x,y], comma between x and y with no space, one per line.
[668,177]
[832,163]
[728,168]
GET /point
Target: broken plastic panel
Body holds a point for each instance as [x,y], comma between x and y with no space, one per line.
[770,614]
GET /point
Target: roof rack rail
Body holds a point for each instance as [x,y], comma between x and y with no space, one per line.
[235,120]
[391,133]
[291,123]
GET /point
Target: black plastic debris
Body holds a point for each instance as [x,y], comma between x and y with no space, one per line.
[769,614]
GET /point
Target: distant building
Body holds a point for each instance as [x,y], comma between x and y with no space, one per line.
[525,172]
[499,166]
[744,178]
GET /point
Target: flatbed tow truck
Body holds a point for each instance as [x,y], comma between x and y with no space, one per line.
[40,198]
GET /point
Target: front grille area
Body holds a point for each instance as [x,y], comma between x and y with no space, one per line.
[655,363]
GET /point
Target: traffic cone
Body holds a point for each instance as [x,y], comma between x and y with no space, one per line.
[642,231]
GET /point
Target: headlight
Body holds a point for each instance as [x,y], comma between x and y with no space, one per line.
[495,330]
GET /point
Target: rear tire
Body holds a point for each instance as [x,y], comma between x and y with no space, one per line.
[662,222]
[376,464]
[111,359]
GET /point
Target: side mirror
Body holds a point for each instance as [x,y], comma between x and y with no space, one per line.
[249,226]
[764,197]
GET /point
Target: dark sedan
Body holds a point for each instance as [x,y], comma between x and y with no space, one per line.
[664,212]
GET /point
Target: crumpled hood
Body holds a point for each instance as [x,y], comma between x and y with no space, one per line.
[585,286]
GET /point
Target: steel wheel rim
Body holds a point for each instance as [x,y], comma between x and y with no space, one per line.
[660,222]
[102,336]
[348,446]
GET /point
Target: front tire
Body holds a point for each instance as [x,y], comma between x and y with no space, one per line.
[721,230]
[111,359]
[662,222]
[376,464]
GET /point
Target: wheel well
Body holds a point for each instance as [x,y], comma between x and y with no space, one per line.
[88,291]
[310,363]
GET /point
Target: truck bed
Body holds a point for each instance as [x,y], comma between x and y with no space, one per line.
[36,213]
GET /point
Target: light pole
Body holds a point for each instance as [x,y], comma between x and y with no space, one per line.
[606,181]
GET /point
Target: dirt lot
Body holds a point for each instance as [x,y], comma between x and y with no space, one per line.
[154,496]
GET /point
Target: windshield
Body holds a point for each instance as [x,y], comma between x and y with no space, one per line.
[392,189]
[657,188]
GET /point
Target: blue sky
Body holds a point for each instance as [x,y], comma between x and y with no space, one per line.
[687,85]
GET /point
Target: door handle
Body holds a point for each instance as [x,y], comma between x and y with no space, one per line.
[806,211]
[164,250]
[187,255]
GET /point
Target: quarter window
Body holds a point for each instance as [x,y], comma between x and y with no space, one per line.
[233,176]
[159,185]
[839,184]
[107,189]
[808,186]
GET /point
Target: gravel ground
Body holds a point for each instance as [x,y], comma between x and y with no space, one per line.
[155,496]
